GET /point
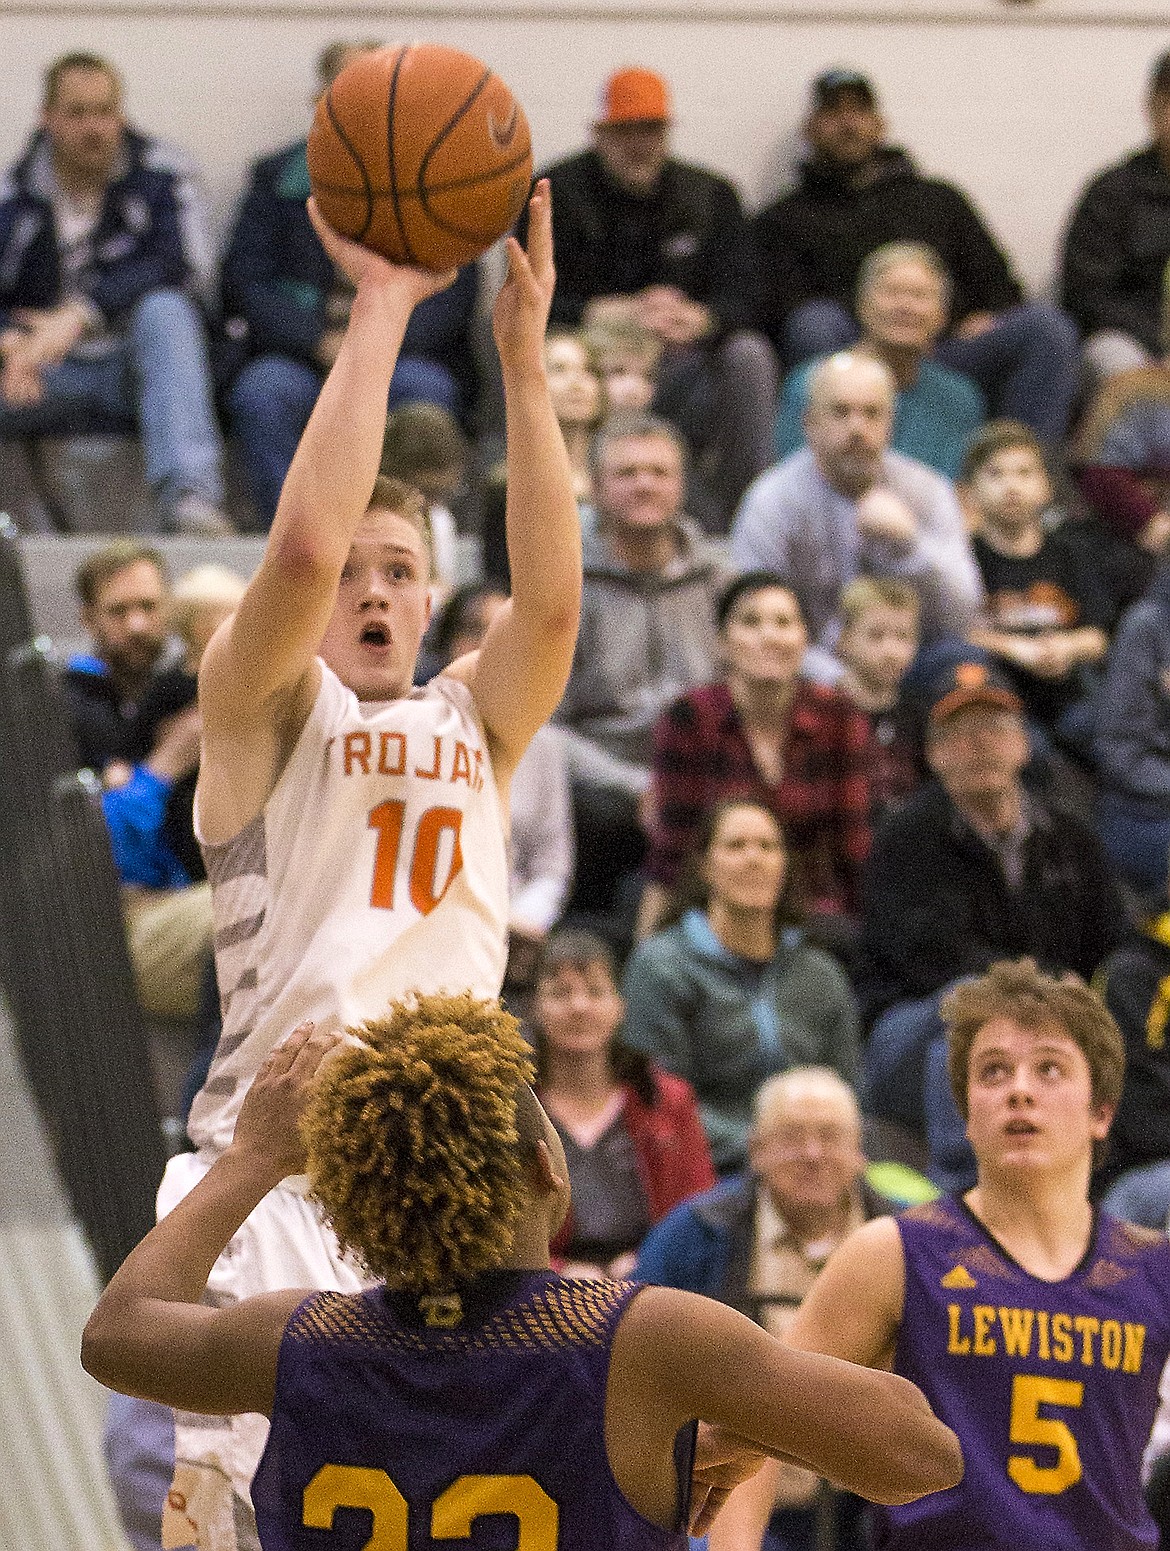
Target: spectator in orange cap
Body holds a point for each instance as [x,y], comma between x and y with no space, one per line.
[645,237]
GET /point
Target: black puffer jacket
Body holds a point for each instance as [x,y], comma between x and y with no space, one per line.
[813,241]
[690,232]
[1135,983]
[1117,248]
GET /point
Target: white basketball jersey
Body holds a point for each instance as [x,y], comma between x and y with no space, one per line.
[376,868]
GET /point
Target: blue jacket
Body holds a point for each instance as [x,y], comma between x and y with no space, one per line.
[138,244]
[705,1244]
[135,816]
[1132,742]
[136,813]
[276,277]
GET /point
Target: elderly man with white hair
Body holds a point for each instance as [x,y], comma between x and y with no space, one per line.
[846,505]
[903,302]
[757,1240]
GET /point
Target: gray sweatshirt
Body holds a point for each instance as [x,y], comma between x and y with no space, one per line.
[645,637]
[793,521]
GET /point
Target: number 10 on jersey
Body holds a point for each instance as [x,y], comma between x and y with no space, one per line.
[423,887]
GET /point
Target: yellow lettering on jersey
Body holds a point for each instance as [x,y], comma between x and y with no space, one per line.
[452,1514]
[1110,1343]
[358,1486]
[1042,1335]
[984,1317]
[433,773]
[461,770]
[1135,1341]
[1087,1327]
[957,1346]
[386,765]
[474,1497]
[1157,1016]
[357,752]
[1016,1325]
[1062,1338]
[1062,1342]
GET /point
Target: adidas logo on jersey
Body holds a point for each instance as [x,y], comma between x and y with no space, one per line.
[959,1277]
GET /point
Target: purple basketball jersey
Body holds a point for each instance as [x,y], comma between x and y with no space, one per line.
[1051,1386]
[398,1424]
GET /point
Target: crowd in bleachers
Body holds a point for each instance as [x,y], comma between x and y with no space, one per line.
[872,686]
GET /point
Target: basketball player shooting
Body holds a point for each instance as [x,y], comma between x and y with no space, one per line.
[473,1392]
[353,827]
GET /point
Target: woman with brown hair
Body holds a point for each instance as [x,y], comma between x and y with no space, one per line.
[631,1132]
[730,990]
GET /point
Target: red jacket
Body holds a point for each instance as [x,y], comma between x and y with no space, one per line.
[669,1144]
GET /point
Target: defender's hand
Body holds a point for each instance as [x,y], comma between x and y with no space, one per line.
[723,1461]
[268,1127]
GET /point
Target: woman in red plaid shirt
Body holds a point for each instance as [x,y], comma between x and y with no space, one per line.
[802,750]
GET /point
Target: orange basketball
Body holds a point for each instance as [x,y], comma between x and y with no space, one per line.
[421,153]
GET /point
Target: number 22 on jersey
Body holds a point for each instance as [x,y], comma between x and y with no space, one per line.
[452,1514]
[422,884]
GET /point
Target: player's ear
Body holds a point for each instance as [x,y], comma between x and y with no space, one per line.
[1102,1118]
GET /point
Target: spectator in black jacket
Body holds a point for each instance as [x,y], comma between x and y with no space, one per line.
[644,236]
[1118,247]
[134,680]
[974,868]
[1135,984]
[856,192]
[287,306]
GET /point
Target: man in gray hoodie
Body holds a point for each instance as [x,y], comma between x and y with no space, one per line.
[647,634]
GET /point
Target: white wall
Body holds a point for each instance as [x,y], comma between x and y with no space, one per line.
[1018,104]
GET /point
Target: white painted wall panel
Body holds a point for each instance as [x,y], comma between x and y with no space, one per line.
[1019,103]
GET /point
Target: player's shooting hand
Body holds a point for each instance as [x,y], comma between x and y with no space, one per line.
[268,1127]
[520,315]
[363,267]
[723,1461]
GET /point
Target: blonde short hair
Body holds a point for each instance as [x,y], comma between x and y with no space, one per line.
[870,592]
[204,587]
[395,495]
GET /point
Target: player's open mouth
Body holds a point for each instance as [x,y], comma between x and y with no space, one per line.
[1021,1128]
[375,635]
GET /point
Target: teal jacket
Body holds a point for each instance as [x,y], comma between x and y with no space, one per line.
[692,1006]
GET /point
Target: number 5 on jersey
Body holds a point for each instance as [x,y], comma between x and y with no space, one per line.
[423,886]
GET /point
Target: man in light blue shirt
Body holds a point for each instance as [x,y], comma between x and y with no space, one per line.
[903,299]
[847,506]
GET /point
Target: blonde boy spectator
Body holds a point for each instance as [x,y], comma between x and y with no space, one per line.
[424,447]
[628,357]
[879,639]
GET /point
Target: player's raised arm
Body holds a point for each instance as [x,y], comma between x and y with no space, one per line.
[272,640]
[523,666]
[150,1335]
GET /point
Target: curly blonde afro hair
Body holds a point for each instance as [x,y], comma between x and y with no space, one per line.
[412,1141]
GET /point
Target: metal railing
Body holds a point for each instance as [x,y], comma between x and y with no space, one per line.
[63,956]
